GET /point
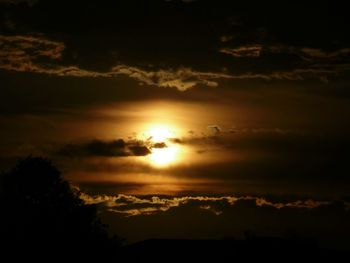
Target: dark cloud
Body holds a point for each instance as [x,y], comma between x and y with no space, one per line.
[305,63]
[23,54]
[309,54]
[116,148]
[214,129]
[28,54]
[316,53]
[160,145]
[37,54]
[270,47]
[139,150]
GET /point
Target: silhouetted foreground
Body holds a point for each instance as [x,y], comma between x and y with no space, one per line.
[42,217]
[228,250]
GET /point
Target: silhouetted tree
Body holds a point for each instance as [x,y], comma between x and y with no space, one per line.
[42,217]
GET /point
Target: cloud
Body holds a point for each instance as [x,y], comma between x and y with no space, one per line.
[296,74]
[305,53]
[25,54]
[182,78]
[37,54]
[214,129]
[159,145]
[314,62]
[115,148]
[130,205]
[227,134]
[317,53]
[321,71]
[243,51]
[199,219]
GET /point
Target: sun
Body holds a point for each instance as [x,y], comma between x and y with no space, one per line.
[164,156]
[163,151]
[159,134]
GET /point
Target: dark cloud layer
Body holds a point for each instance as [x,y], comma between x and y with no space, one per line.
[26,54]
[36,54]
[117,148]
[270,44]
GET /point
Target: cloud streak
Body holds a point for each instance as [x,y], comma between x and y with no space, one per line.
[316,53]
[129,205]
[296,74]
[243,51]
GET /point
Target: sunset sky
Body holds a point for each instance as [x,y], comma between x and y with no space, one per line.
[205,118]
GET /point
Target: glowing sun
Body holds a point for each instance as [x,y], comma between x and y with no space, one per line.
[164,156]
[163,151]
[159,134]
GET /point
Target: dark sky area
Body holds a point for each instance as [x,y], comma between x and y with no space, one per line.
[186,113]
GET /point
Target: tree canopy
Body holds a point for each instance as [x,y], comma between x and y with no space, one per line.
[42,216]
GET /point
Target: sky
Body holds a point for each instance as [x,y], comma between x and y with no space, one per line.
[185,113]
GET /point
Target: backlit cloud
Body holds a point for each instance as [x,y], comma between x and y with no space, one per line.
[182,78]
[25,54]
[38,54]
[28,53]
[129,205]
